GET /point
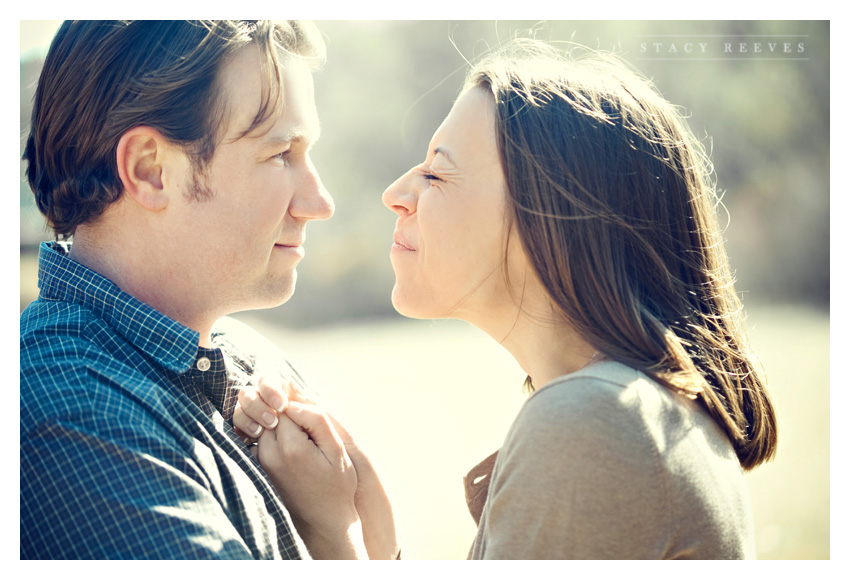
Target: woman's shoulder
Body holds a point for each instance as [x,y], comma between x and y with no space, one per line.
[606,377]
[587,405]
[605,390]
[579,460]
[614,413]
[622,466]
[611,409]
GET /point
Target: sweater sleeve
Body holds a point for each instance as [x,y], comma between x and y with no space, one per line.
[579,477]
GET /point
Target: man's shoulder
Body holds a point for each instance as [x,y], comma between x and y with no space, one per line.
[57,334]
[42,314]
[73,367]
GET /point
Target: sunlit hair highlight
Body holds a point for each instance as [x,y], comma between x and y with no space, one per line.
[614,201]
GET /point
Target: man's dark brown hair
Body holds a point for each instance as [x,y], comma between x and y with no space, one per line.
[102,78]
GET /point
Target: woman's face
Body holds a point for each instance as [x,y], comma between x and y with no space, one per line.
[452,232]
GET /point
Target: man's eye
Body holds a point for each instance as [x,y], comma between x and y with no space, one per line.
[430,176]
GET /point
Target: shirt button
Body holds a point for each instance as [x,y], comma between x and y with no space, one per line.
[203,364]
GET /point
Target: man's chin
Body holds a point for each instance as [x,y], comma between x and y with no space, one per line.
[282,293]
[273,295]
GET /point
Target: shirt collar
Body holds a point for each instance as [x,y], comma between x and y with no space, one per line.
[170,343]
[211,375]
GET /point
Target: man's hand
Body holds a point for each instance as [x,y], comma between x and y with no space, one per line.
[269,408]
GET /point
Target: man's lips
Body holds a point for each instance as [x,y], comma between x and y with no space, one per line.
[292,242]
[295,247]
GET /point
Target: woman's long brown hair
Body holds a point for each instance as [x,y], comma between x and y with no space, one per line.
[614,201]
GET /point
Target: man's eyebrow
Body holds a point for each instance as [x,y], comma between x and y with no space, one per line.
[292,136]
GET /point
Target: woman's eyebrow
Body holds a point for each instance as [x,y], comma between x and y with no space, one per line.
[442,151]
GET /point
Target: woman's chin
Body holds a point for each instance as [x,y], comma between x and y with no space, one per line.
[410,308]
[402,308]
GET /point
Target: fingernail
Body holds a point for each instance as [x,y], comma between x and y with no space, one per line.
[271,420]
[277,402]
[257,429]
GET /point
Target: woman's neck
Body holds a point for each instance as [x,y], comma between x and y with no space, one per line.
[548,349]
[544,345]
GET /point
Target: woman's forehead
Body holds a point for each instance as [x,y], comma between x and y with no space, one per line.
[469,126]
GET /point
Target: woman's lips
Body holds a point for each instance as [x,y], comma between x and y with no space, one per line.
[399,243]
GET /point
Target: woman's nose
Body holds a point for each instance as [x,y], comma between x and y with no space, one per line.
[402,196]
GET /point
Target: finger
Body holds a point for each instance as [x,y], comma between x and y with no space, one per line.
[343,432]
[276,393]
[359,459]
[244,425]
[245,437]
[317,425]
[285,444]
[273,393]
[295,393]
[255,408]
[347,440]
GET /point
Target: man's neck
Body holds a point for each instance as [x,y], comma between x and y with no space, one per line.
[140,274]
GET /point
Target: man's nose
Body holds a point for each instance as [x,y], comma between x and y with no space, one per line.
[313,201]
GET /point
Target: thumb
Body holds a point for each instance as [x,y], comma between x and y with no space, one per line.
[317,425]
[343,433]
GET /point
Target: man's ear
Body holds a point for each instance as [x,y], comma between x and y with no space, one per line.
[141,161]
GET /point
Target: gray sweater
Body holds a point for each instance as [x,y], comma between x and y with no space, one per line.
[607,464]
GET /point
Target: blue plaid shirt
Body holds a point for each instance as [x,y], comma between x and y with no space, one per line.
[127,450]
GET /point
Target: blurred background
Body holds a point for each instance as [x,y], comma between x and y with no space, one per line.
[431,399]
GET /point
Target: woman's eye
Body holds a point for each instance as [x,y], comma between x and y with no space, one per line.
[430,176]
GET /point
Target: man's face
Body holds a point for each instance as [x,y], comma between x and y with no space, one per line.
[246,239]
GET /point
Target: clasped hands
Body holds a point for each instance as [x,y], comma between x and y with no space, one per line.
[336,500]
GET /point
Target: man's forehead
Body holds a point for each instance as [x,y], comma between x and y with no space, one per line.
[295,121]
[285,108]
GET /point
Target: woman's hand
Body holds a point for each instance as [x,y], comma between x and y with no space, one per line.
[258,407]
[372,503]
[308,465]
[301,477]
